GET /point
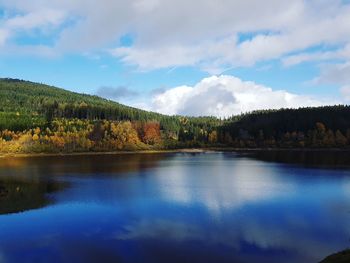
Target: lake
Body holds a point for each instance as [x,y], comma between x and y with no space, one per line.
[175,207]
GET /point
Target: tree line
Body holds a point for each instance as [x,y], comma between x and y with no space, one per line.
[305,127]
[37,117]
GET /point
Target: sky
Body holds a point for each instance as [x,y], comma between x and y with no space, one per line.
[199,57]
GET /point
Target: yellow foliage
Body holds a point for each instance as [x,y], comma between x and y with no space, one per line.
[213,137]
[72,135]
[37,131]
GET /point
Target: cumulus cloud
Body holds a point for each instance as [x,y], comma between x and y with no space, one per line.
[224,96]
[345,91]
[115,93]
[167,33]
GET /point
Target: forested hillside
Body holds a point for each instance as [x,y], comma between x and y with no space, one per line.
[312,127]
[28,99]
[28,108]
[40,118]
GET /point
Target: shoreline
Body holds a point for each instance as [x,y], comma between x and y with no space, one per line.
[15,155]
[184,150]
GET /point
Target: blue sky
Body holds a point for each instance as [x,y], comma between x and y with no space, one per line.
[233,56]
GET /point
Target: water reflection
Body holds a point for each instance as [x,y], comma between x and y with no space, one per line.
[26,183]
[313,158]
[240,181]
[17,196]
[175,208]
[79,164]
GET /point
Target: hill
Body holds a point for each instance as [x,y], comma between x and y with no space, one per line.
[38,117]
[34,102]
[27,106]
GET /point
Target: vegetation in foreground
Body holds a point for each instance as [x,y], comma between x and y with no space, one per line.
[341,257]
[40,118]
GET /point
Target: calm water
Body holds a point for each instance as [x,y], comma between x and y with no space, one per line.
[212,207]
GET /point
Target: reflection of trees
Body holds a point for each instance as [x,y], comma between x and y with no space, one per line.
[17,196]
[26,182]
[80,164]
[307,158]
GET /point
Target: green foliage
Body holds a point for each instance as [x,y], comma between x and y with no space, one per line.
[305,127]
[40,118]
[20,121]
[51,102]
[47,102]
[277,122]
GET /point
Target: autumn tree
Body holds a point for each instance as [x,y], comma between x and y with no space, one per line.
[151,131]
[213,137]
[124,134]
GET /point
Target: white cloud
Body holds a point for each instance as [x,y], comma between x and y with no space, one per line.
[205,34]
[334,70]
[297,27]
[338,54]
[42,17]
[36,19]
[4,34]
[345,91]
[308,57]
[335,74]
[225,96]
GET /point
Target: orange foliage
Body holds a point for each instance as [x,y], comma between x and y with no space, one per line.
[151,133]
